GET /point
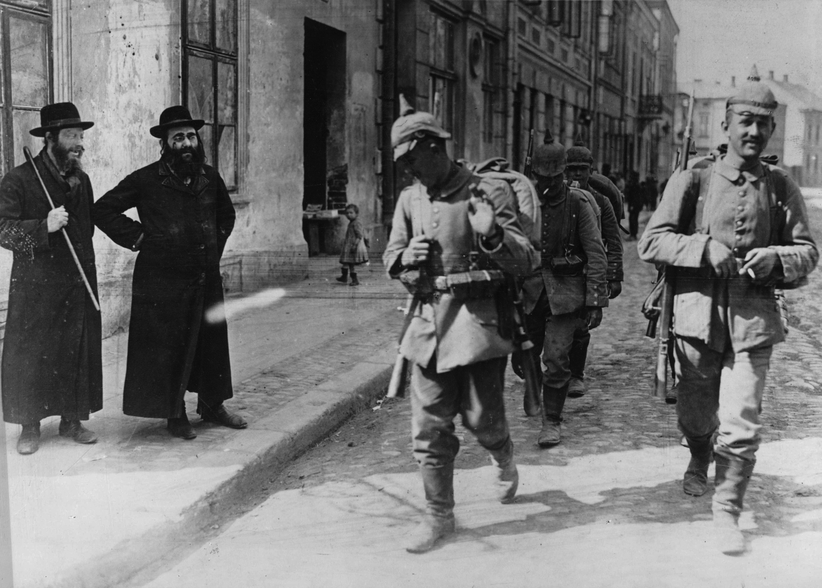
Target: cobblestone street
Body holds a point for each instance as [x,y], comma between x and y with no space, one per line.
[604,508]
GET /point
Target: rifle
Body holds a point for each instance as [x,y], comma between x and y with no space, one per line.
[526,169]
[666,308]
[399,375]
[531,401]
[89,289]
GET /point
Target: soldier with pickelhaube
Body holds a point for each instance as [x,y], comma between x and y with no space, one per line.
[579,168]
[447,225]
[568,292]
[734,230]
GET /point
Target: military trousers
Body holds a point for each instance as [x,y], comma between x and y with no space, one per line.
[720,393]
[475,392]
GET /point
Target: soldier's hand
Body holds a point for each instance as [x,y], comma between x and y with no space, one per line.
[761,261]
[614,289]
[57,219]
[720,258]
[417,251]
[481,213]
[594,317]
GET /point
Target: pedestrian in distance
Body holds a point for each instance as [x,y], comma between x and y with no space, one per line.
[568,292]
[734,230]
[186,216]
[447,224]
[634,199]
[52,362]
[579,168]
[355,247]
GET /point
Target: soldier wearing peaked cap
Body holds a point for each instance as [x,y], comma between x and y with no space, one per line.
[578,168]
[567,293]
[52,362]
[447,225]
[734,230]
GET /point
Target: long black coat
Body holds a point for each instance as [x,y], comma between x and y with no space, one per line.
[52,351]
[171,347]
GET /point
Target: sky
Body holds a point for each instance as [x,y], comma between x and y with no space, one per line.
[723,38]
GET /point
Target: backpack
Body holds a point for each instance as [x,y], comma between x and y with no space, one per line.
[526,201]
[608,189]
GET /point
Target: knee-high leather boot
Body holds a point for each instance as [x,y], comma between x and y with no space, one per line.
[695,481]
[732,477]
[507,474]
[438,520]
[553,400]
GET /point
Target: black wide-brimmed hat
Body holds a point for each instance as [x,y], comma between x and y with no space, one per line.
[175,116]
[62,115]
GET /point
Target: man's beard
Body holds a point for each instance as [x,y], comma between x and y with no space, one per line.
[181,167]
[65,163]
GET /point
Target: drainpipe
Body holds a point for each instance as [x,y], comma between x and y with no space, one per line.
[387,93]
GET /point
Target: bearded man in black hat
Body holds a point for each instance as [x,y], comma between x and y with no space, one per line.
[734,230]
[186,216]
[52,351]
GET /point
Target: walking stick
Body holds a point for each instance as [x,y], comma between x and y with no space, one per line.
[30,159]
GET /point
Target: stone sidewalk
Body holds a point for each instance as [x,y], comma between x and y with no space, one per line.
[304,358]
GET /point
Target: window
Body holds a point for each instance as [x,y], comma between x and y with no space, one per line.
[210,79]
[704,121]
[26,72]
[441,60]
[490,89]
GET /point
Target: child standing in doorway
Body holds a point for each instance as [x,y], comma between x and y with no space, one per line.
[355,246]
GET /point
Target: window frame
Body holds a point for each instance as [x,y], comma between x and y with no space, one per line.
[491,87]
[216,55]
[447,73]
[42,16]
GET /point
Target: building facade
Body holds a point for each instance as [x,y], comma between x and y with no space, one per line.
[299,98]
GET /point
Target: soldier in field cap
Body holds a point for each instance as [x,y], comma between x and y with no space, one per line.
[52,350]
[579,168]
[457,339]
[568,292]
[735,229]
[186,216]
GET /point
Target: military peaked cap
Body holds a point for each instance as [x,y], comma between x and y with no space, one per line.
[412,126]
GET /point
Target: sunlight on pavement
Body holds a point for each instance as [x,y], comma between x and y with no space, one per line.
[352,533]
[235,306]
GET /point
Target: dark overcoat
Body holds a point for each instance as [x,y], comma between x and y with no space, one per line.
[52,350]
[180,237]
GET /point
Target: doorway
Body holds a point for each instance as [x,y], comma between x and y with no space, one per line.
[324,109]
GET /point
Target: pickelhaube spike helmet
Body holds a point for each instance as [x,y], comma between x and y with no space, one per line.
[753,96]
[412,126]
[578,155]
[549,158]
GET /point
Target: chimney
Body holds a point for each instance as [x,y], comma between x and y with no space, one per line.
[770,74]
[785,78]
[733,81]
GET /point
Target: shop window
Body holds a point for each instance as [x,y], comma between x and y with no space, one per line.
[25,69]
[443,78]
[210,79]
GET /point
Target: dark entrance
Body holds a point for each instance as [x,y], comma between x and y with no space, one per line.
[324,112]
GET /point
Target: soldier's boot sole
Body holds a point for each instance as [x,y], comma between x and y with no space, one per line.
[727,536]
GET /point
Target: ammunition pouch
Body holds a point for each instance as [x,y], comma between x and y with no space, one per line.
[569,264]
[471,285]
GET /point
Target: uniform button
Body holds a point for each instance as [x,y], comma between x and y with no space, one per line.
[435,209]
[434,225]
[738,223]
[736,249]
[739,237]
[740,207]
[742,192]
[202,245]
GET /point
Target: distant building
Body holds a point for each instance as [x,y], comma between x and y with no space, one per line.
[796,140]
